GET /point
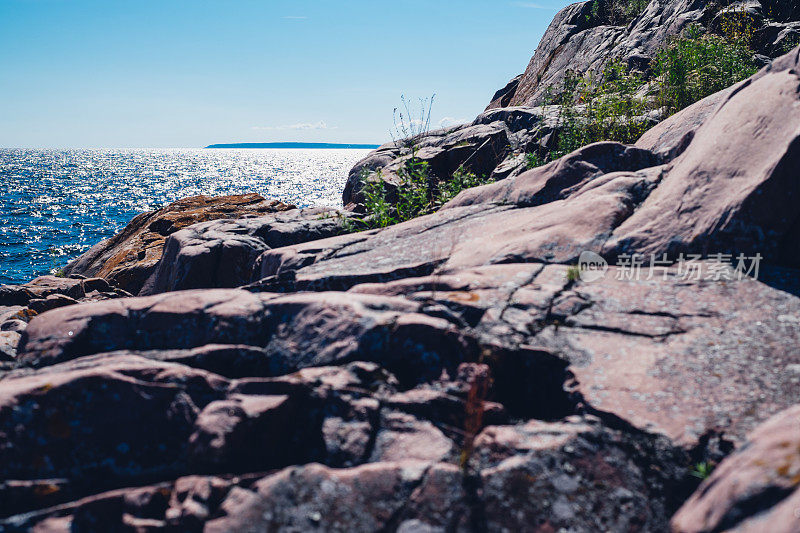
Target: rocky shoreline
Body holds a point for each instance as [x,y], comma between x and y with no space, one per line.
[237,364]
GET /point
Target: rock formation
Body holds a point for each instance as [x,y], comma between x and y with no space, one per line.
[127,259]
[583,37]
[455,372]
[495,137]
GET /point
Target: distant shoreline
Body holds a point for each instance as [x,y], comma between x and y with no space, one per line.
[294,145]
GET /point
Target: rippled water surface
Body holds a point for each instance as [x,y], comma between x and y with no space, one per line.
[54,204]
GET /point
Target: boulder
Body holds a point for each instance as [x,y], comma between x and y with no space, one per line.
[128,258]
[482,146]
[40,288]
[221,253]
[245,432]
[560,470]
[754,489]
[189,320]
[8,345]
[54,301]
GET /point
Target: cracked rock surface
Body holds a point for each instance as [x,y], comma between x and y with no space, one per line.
[451,373]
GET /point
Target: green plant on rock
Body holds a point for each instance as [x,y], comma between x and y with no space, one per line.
[376,203]
[702,470]
[738,26]
[460,181]
[415,192]
[601,108]
[533,160]
[418,193]
[613,105]
[791,43]
[698,64]
[618,12]
[573,273]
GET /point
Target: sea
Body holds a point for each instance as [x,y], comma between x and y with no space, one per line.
[55,204]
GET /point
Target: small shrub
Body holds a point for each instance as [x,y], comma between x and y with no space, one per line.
[376,203]
[59,272]
[533,160]
[738,26]
[460,181]
[697,65]
[417,194]
[702,470]
[791,43]
[604,108]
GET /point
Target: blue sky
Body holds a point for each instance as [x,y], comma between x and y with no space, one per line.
[80,73]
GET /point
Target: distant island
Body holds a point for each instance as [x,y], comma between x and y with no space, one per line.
[293,145]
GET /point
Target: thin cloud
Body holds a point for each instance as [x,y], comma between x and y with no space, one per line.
[321,125]
[451,121]
[294,17]
[530,5]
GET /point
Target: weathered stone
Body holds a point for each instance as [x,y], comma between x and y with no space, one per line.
[221,254]
[757,488]
[679,357]
[189,320]
[301,330]
[581,38]
[244,433]
[404,437]
[367,497]
[41,288]
[100,422]
[14,295]
[54,301]
[670,137]
[545,476]
[128,258]
[8,345]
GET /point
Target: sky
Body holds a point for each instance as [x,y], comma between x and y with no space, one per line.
[170,73]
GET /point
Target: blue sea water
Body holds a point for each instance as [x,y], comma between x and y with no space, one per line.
[55,204]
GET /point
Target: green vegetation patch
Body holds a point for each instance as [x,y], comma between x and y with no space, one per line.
[618,12]
[699,64]
[417,194]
